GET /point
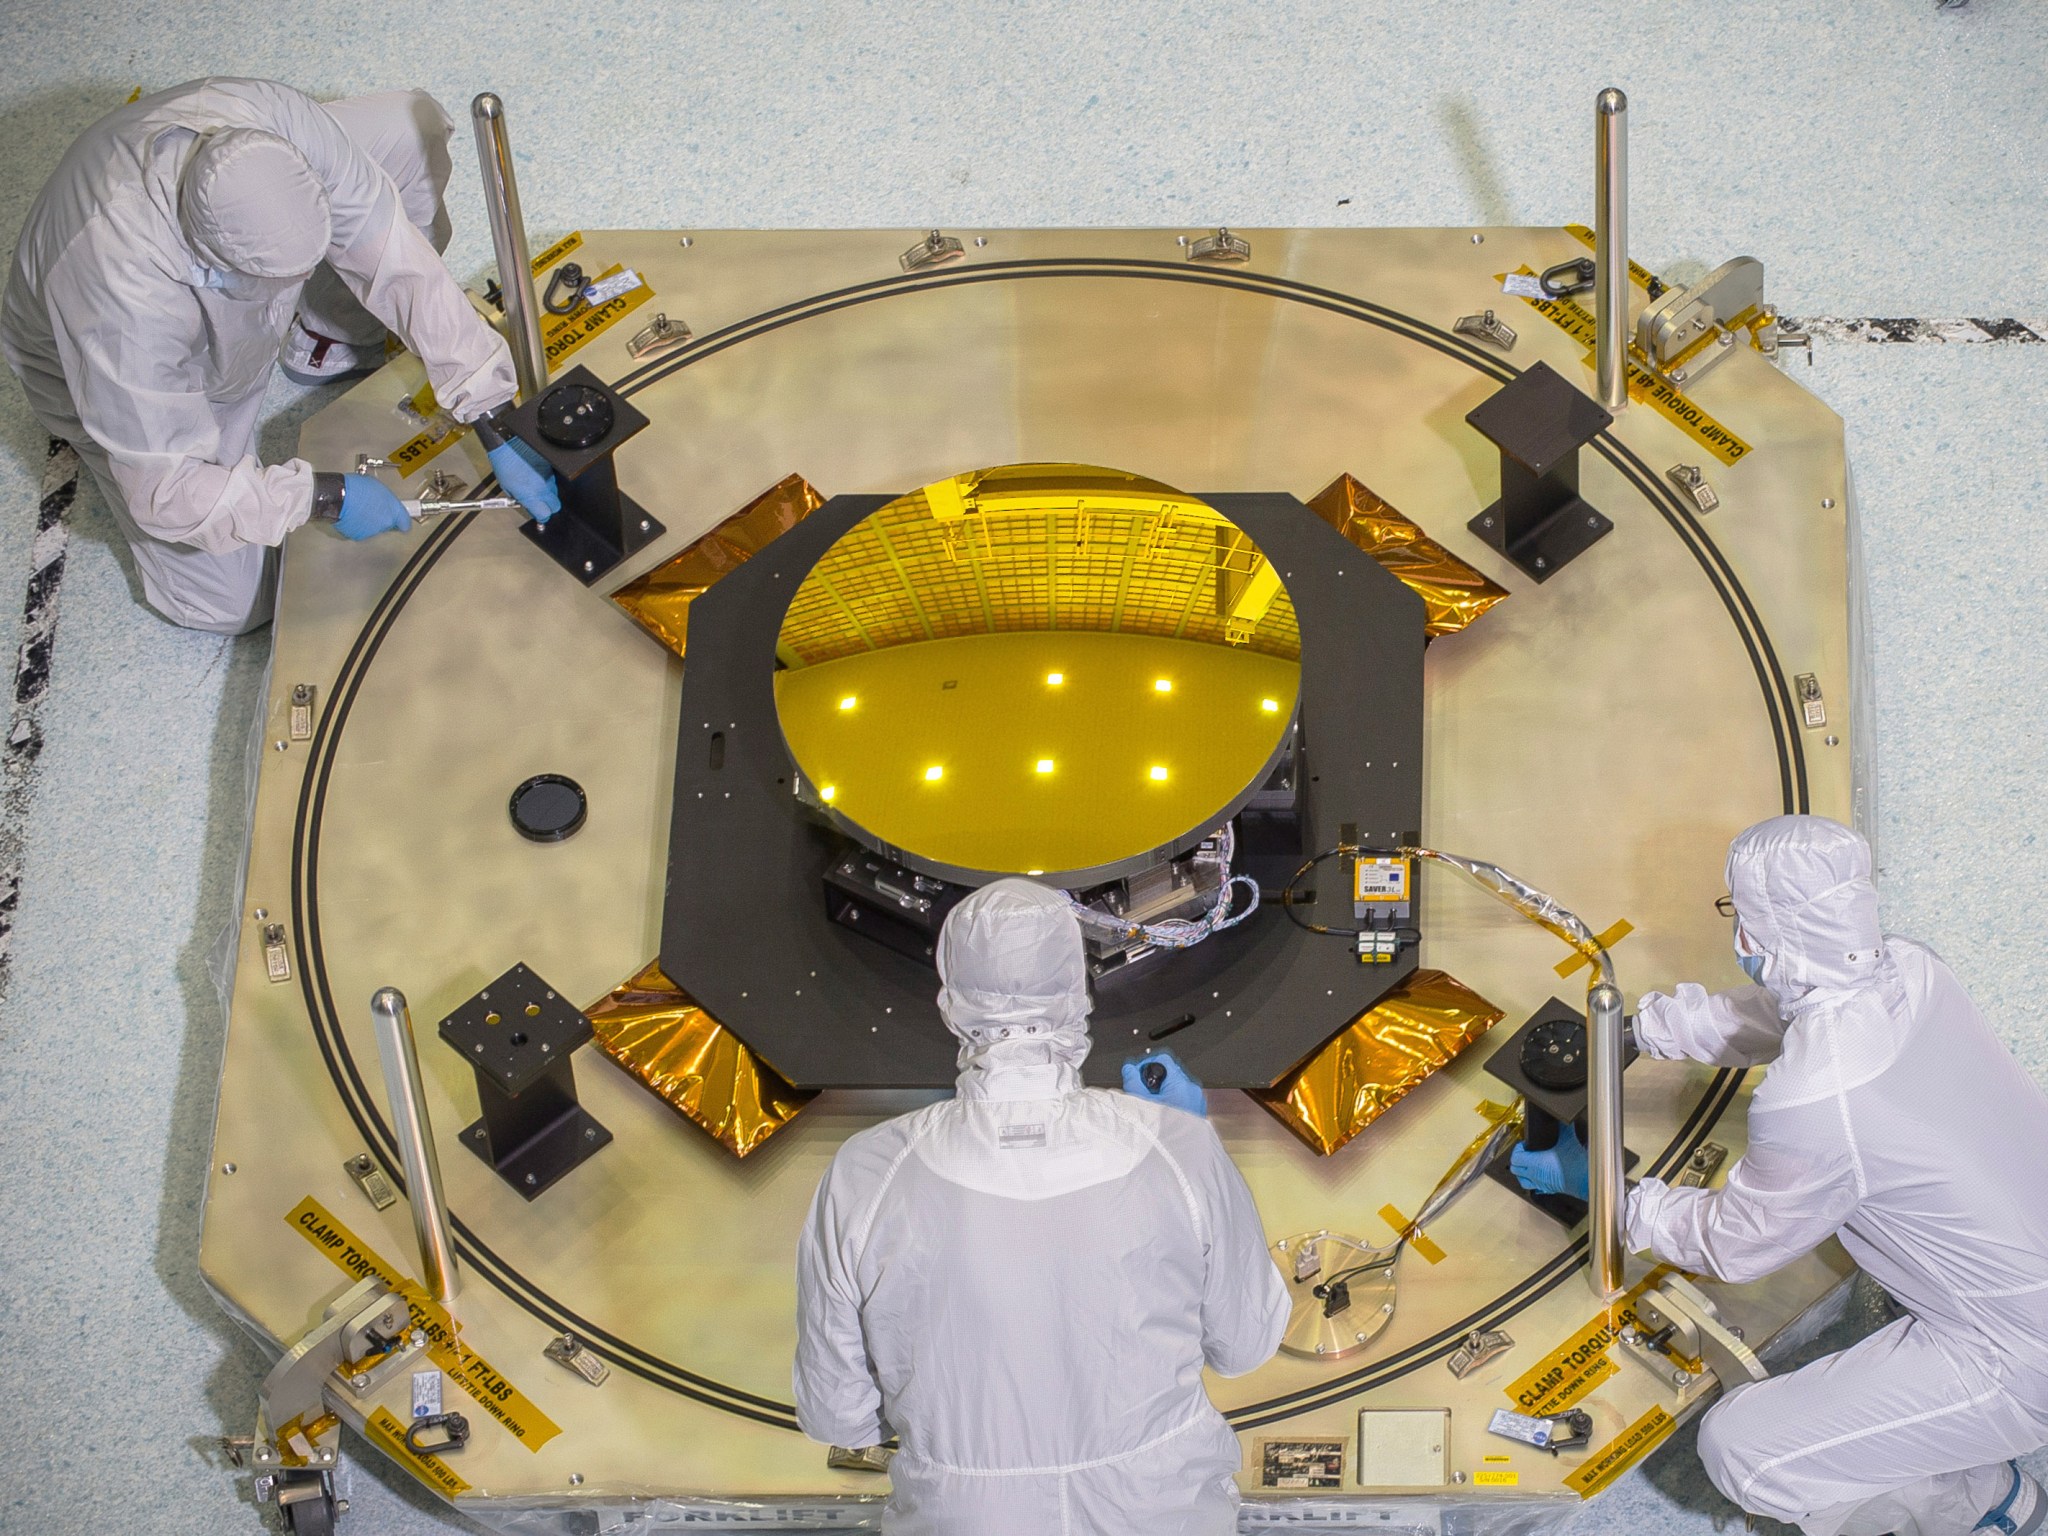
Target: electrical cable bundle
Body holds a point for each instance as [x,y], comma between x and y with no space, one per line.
[1185,932]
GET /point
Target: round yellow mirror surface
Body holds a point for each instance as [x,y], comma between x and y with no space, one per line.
[1040,669]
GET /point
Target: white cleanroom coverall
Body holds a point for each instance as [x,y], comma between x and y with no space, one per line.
[154,278]
[1024,1282]
[1891,1117]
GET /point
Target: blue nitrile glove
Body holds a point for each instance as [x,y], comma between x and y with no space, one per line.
[368,507]
[1175,1088]
[1560,1171]
[526,478]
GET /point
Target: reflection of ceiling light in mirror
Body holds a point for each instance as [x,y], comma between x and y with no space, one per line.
[1163,685]
[1158,774]
[848,702]
[1270,706]
[1045,765]
[828,792]
[934,773]
[1054,679]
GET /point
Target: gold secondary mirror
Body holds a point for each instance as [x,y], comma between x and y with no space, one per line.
[1044,668]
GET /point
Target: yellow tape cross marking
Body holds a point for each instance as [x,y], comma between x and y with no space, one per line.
[1578,1365]
[469,1370]
[383,1428]
[1607,940]
[1417,1240]
[561,335]
[1621,1453]
[1497,1479]
[1710,434]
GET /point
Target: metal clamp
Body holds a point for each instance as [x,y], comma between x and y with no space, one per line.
[1486,327]
[1480,1347]
[1222,246]
[567,1349]
[931,251]
[1689,479]
[1678,1333]
[659,335]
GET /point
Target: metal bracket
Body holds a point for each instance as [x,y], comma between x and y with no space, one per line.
[300,726]
[567,1349]
[931,251]
[1813,709]
[442,486]
[1485,327]
[371,1181]
[1689,479]
[1222,246]
[363,1338]
[277,961]
[1479,1348]
[659,335]
[1678,1332]
[869,1458]
[1701,1167]
[1690,329]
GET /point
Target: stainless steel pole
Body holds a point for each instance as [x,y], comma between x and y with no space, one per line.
[1605,1190]
[415,1137]
[1610,248]
[508,239]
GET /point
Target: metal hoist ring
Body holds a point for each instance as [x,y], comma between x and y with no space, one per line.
[568,275]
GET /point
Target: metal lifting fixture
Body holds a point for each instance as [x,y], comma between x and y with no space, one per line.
[508,240]
[1610,248]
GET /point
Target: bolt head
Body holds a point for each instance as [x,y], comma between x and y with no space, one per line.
[531,1179]
[589,565]
[359,1381]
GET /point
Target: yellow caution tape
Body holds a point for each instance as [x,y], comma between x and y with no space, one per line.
[465,1367]
[1607,940]
[1645,386]
[383,1427]
[1578,1365]
[1621,1453]
[561,335]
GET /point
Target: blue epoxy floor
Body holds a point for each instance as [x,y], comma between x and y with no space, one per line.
[1881,160]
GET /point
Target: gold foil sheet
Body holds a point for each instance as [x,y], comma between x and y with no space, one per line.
[660,600]
[1454,592]
[658,1033]
[1376,1058]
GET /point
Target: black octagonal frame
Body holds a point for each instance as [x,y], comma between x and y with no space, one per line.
[745,929]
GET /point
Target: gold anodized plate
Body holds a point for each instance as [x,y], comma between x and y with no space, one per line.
[1603,734]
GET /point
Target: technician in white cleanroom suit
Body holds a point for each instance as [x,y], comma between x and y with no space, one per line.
[1024,1282]
[156,276]
[1890,1116]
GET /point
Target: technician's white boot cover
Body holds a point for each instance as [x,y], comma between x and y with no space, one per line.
[1023,1283]
[1889,1115]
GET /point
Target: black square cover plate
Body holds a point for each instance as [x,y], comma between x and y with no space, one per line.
[516,1029]
[1539,420]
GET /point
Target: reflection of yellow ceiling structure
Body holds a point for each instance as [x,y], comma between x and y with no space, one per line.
[1040,547]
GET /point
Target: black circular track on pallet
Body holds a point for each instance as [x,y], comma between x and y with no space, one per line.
[362,1106]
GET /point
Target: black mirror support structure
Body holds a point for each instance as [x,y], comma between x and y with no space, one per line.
[577,424]
[1539,423]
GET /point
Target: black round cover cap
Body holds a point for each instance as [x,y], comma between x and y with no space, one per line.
[549,807]
[575,416]
[1554,1055]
